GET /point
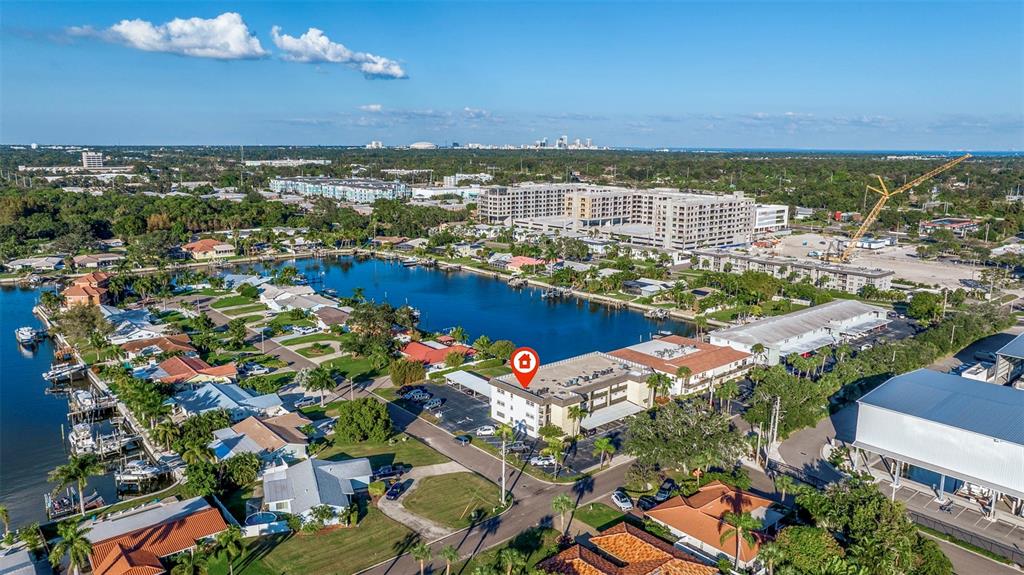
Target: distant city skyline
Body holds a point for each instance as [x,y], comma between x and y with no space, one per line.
[756,75]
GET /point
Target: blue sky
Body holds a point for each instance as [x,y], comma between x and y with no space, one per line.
[838,75]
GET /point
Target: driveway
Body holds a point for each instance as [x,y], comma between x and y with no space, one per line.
[427,529]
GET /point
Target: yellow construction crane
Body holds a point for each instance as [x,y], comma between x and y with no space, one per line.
[885,195]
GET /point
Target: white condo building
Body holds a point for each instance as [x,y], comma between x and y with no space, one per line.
[92,160]
[356,190]
[770,218]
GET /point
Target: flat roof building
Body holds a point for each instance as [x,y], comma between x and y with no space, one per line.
[805,330]
[356,190]
[1010,363]
[708,364]
[847,278]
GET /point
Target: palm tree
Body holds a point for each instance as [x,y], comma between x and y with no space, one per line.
[450,555]
[758,350]
[358,294]
[740,526]
[702,324]
[785,483]
[561,505]
[166,433]
[576,414]
[193,563]
[5,516]
[771,555]
[422,553]
[511,558]
[229,543]
[604,446]
[684,373]
[319,379]
[459,334]
[659,384]
[77,470]
[73,543]
[195,453]
[505,433]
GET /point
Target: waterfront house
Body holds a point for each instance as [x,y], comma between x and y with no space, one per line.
[330,316]
[624,550]
[127,331]
[88,289]
[645,286]
[192,370]
[100,261]
[39,264]
[233,281]
[314,482]
[208,249]
[238,402]
[517,263]
[699,521]
[435,352]
[708,364]
[142,541]
[412,244]
[499,260]
[388,241]
[157,345]
[116,315]
[278,437]
[282,298]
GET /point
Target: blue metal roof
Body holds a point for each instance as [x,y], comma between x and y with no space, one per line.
[1013,349]
[985,408]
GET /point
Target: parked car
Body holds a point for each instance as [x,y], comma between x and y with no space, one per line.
[646,503]
[396,490]
[516,447]
[665,491]
[389,471]
[418,396]
[407,389]
[306,402]
[463,439]
[622,501]
[542,460]
[485,430]
[434,403]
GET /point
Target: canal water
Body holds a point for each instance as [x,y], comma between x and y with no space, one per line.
[30,420]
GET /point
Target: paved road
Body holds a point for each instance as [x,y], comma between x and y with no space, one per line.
[969,563]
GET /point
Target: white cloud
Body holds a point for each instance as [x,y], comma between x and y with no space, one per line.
[314,46]
[475,113]
[225,37]
[374,108]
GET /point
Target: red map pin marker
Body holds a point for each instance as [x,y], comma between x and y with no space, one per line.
[525,363]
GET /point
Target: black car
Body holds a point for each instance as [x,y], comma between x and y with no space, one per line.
[646,502]
[665,491]
[407,388]
[395,491]
[389,471]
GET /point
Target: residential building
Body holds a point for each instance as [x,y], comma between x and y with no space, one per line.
[455,179]
[314,482]
[192,370]
[89,289]
[606,387]
[699,521]
[966,435]
[847,278]
[92,160]
[356,190]
[1010,363]
[19,560]
[100,261]
[625,550]
[467,381]
[157,345]
[805,330]
[504,204]
[388,241]
[434,352]
[803,213]
[139,542]
[708,364]
[278,437]
[283,298]
[770,218]
[287,163]
[39,264]
[646,287]
[959,226]
[129,330]
[209,249]
[330,316]
[239,402]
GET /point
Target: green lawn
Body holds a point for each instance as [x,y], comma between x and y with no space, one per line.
[451,499]
[345,550]
[245,309]
[313,338]
[282,319]
[315,350]
[598,515]
[231,301]
[210,292]
[252,318]
[536,544]
[410,452]
[497,371]
[355,368]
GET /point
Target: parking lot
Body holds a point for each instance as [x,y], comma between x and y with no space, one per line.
[463,413]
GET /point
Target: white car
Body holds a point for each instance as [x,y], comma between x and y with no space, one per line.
[418,395]
[485,430]
[542,460]
[622,501]
[305,402]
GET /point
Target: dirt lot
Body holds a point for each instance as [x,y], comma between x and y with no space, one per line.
[901,259]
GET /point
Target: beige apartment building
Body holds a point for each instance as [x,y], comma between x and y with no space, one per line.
[842,277]
[503,204]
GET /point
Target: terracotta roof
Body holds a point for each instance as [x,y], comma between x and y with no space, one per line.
[625,550]
[176,342]
[84,290]
[138,552]
[700,516]
[421,352]
[275,432]
[93,279]
[520,261]
[184,368]
[706,358]
[204,245]
[287,426]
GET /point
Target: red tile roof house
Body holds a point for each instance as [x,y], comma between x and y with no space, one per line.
[208,249]
[519,262]
[434,352]
[90,289]
[141,542]
[708,364]
[184,369]
[157,345]
[624,550]
[698,520]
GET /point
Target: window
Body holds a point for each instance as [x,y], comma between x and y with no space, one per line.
[499,415]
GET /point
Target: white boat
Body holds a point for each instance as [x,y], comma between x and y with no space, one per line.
[83,398]
[137,470]
[26,335]
[410,262]
[63,371]
[81,438]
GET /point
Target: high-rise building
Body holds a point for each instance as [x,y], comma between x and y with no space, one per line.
[770,218]
[92,160]
[504,204]
[357,190]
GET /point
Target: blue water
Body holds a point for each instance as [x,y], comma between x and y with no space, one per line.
[30,420]
[557,329]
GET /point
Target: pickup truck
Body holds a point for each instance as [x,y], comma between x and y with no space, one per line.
[389,471]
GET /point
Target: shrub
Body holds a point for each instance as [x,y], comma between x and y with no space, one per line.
[377,488]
